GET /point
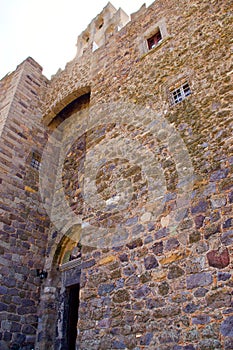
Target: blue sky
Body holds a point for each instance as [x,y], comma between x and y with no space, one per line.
[47,30]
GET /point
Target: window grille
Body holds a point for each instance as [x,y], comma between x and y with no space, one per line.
[180,93]
[35,161]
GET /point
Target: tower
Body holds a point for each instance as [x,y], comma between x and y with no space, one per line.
[126,155]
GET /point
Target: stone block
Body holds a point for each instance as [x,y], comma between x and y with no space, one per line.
[199,280]
[218,258]
[150,262]
[107,260]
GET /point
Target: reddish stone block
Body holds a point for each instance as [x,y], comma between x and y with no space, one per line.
[218,259]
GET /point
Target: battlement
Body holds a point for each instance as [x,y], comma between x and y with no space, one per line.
[116,227]
[106,23]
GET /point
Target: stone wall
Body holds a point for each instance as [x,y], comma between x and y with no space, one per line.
[146,185]
[24,224]
[157,275]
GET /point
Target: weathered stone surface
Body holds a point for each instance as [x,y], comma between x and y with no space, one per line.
[171,257]
[199,280]
[123,257]
[199,219]
[3,345]
[230,195]
[129,270]
[201,292]
[194,237]
[134,244]
[161,233]
[211,330]
[105,289]
[228,223]
[219,174]
[132,281]
[200,207]
[218,202]
[226,327]
[228,344]
[145,262]
[172,243]
[150,262]
[211,230]
[175,272]
[201,319]
[118,345]
[98,278]
[186,347]
[227,238]
[107,260]
[88,263]
[210,344]
[121,295]
[169,311]
[131,221]
[154,303]
[190,308]
[223,276]
[157,248]
[195,264]
[138,229]
[218,258]
[146,339]
[163,288]
[142,291]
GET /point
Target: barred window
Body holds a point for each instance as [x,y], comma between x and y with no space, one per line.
[35,161]
[180,93]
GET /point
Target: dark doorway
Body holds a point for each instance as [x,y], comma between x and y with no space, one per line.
[72,315]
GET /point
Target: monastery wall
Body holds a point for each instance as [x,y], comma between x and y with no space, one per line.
[137,166]
[24,224]
[152,195]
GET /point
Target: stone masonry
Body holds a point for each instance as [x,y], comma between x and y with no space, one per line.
[133,153]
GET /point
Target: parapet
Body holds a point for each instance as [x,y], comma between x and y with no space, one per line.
[108,21]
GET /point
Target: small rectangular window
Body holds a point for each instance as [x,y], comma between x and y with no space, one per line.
[35,161]
[154,40]
[180,93]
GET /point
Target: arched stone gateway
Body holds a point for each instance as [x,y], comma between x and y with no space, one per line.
[125,155]
[60,298]
[60,291]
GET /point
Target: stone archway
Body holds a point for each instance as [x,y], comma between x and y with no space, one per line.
[59,295]
[59,289]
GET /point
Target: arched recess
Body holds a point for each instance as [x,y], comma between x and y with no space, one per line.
[76,104]
[61,103]
[60,296]
[67,267]
[62,284]
[64,248]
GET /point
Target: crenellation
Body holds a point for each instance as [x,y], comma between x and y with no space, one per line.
[136,15]
[120,236]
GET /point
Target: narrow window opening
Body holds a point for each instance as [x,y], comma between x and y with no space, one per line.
[72,316]
[180,93]
[101,24]
[35,161]
[154,40]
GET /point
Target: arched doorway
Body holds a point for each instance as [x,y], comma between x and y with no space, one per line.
[58,315]
[69,268]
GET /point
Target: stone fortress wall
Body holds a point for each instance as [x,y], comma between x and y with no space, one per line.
[143,182]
